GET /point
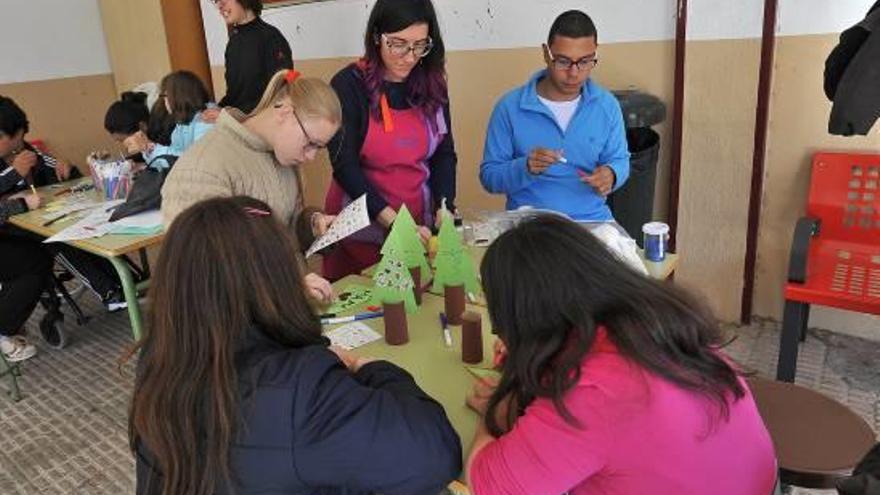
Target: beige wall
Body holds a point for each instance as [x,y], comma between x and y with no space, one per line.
[479,78]
[136,42]
[68,114]
[719,121]
[798,128]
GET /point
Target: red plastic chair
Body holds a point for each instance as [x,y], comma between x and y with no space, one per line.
[835,253]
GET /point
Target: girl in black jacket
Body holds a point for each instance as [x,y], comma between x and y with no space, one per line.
[237,391]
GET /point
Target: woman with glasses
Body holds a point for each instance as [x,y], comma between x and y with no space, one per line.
[255,52]
[260,155]
[396,146]
[558,142]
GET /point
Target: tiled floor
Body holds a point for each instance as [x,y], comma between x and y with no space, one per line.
[69,434]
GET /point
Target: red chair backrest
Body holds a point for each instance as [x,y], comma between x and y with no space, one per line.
[845,196]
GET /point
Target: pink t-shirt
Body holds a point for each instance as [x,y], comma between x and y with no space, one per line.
[640,434]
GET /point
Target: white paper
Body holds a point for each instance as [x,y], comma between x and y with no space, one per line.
[145,220]
[351,219]
[352,336]
[95,224]
[58,209]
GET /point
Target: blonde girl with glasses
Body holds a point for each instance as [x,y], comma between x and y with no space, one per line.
[260,155]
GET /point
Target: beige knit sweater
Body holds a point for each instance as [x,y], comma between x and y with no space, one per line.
[230,160]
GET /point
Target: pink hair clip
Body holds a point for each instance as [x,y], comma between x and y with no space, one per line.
[256,212]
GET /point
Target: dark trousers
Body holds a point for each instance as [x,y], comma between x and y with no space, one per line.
[25,268]
[95,272]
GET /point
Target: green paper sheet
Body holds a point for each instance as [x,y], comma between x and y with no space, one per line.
[393,283]
[453,265]
[350,298]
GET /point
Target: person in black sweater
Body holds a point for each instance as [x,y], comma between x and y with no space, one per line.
[255,52]
[23,165]
[396,142]
[244,396]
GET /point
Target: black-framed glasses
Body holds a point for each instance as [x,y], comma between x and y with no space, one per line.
[565,63]
[400,48]
[311,144]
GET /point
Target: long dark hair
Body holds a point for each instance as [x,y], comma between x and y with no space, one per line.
[161,124]
[426,84]
[209,291]
[550,284]
[187,94]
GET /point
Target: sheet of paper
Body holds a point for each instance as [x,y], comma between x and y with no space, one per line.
[352,335]
[351,219]
[72,204]
[146,219]
[350,298]
[95,224]
[146,223]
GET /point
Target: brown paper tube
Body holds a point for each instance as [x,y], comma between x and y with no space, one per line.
[416,273]
[454,298]
[396,331]
[472,338]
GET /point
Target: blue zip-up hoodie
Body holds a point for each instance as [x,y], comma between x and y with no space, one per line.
[182,137]
[595,136]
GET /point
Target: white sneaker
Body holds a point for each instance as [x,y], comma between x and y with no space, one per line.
[16,348]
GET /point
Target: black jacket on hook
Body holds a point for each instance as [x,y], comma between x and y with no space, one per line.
[852,77]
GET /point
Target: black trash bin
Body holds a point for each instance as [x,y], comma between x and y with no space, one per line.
[633,204]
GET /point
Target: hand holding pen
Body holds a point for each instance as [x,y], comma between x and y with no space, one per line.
[540,159]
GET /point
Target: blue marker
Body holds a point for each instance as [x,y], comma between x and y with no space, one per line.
[444,324]
[353,318]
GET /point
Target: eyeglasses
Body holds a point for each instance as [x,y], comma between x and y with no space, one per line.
[565,63]
[311,144]
[400,48]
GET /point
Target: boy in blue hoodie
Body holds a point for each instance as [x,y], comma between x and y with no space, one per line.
[559,142]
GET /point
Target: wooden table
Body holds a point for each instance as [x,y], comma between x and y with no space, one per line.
[437,369]
[112,247]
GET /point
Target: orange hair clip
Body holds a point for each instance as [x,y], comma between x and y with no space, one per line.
[291,76]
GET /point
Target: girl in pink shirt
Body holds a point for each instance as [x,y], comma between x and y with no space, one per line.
[611,383]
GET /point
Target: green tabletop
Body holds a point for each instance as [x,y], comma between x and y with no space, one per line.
[438,369]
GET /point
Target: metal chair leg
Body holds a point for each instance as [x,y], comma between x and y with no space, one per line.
[794,325]
[81,318]
[13,372]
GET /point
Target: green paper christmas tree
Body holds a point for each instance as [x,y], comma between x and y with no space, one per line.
[407,238]
[453,265]
[391,278]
